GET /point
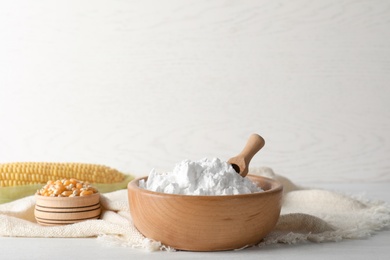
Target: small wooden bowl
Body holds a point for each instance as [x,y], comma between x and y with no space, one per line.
[66,210]
[206,223]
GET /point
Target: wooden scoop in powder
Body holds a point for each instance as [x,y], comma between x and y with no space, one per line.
[241,162]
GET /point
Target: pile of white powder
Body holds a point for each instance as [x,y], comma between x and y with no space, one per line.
[203,177]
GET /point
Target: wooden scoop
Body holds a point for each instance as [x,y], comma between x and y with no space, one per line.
[240,162]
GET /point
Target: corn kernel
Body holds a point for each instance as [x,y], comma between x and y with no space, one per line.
[86,192]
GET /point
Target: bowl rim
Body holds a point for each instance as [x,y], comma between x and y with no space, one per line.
[133,185]
[37,196]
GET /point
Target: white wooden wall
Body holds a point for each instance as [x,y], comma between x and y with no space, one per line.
[142,84]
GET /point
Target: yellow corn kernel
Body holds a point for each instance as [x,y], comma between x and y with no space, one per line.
[67,193]
[86,192]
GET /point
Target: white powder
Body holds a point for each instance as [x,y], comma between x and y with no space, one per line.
[203,177]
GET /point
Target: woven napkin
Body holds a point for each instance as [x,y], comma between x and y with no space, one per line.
[307,215]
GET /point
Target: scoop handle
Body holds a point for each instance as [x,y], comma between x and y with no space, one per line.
[241,162]
[253,145]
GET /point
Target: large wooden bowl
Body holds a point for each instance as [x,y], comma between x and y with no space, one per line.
[66,210]
[206,223]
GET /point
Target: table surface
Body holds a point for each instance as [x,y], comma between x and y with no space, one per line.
[142,84]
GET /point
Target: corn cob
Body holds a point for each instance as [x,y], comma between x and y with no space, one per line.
[25,173]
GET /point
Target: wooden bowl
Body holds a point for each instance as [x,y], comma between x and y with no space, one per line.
[66,210]
[206,223]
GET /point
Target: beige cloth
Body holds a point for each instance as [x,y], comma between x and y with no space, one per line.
[307,215]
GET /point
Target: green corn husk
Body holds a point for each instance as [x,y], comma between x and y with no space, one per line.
[8,194]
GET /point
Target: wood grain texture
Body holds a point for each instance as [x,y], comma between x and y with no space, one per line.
[51,211]
[140,85]
[206,223]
